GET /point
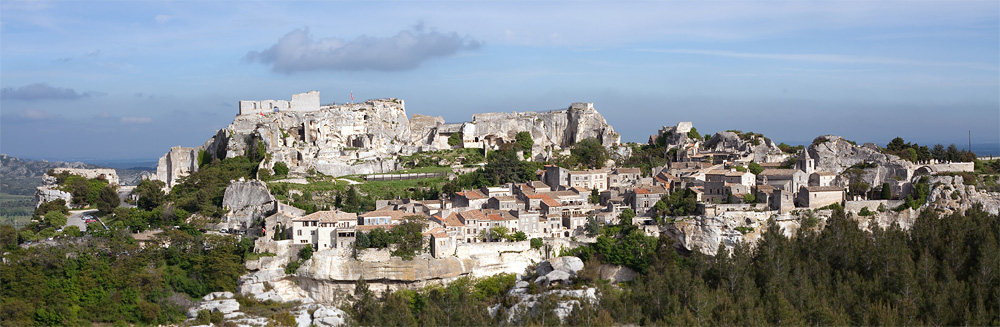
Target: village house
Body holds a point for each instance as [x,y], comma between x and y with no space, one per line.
[822,178]
[320,229]
[789,180]
[474,199]
[441,244]
[504,203]
[384,217]
[642,199]
[591,179]
[814,197]
[720,184]
[626,177]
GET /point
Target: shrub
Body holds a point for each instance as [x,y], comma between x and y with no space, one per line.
[536,243]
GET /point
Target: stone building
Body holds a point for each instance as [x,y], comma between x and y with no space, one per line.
[814,197]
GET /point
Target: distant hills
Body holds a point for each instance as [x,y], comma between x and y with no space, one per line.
[22,176]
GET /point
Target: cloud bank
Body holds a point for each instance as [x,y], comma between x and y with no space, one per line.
[296,51]
[44,91]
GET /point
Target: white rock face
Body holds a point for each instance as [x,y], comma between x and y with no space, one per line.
[366,138]
[216,301]
[950,194]
[248,202]
[51,193]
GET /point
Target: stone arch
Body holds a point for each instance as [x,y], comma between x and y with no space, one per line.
[924,170]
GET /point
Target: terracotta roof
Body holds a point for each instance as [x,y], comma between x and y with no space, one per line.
[627,170]
[535,196]
[778,172]
[650,190]
[472,194]
[328,216]
[825,189]
[472,215]
[550,202]
[453,221]
[495,217]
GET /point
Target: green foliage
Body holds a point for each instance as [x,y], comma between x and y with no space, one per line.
[744,229]
[103,280]
[630,247]
[864,212]
[455,139]
[524,140]
[917,153]
[693,133]
[740,168]
[494,287]
[536,243]
[202,191]
[280,169]
[592,227]
[626,216]
[306,253]
[107,200]
[8,238]
[588,153]
[886,192]
[55,218]
[150,193]
[520,236]
[410,241]
[680,203]
[791,149]
[755,168]
[595,197]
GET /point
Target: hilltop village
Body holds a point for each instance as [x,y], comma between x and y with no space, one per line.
[543,184]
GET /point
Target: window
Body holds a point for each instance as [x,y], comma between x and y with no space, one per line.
[300,232]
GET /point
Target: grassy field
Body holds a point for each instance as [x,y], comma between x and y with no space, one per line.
[16,210]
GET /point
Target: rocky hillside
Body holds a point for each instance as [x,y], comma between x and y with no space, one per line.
[21,177]
[366,138]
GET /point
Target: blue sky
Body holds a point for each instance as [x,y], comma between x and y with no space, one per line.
[88,79]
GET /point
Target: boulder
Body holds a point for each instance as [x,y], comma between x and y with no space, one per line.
[226,306]
[248,202]
[329,316]
[568,264]
[617,274]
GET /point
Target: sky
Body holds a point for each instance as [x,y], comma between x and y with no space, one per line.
[124,79]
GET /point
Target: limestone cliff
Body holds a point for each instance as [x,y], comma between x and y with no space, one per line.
[745,146]
[246,202]
[834,154]
[950,194]
[366,138]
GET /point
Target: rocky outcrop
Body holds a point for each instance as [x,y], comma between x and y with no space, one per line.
[950,194]
[51,193]
[834,154]
[745,147]
[247,202]
[306,314]
[177,163]
[366,138]
[558,270]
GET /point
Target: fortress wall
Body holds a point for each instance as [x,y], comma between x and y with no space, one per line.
[308,101]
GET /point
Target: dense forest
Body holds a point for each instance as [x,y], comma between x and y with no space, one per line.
[111,279]
[944,271]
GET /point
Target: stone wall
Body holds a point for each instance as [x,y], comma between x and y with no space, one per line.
[308,101]
[177,163]
[107,174]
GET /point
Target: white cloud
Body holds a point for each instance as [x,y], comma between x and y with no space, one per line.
[296,51]
[827,58]
[34,114]
[136,120]
[163,19]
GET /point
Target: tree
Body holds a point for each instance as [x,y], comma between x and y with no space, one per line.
[361,241]
[593,226]
[409,239]
[755,168]
[55,219]
[886,193]
[8,237]
[524,140]
[150,193]
[499,232]
[108,200]
[626,216]
[536,243]
[280,169]
[896,144]
[693,133]
[750,198]
[590,153]
[72,231]
[520,236]
[595,197]
[455,139]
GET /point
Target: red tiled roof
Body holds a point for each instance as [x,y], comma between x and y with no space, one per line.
[365,228]
[550,202]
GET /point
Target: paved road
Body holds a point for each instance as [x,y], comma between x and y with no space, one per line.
[76,218]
